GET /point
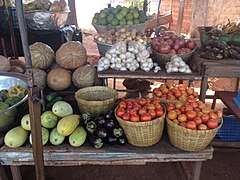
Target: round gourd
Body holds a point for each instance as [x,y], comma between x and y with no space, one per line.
[39,78]
[59,79]
[42,55]
[84,76]
[4,64]
[71,55]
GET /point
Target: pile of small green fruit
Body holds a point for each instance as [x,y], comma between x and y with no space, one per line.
[119,16]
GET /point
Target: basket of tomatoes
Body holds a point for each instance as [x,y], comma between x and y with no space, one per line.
[169,92]
[192,125]
[142,120]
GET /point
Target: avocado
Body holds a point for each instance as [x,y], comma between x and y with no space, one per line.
[136,21]
[16,137]
[129,22]
[102,21]
[119,16]
[123,22]
[114,22]
[129,16]
[135,15]
[102,14]
[110,17]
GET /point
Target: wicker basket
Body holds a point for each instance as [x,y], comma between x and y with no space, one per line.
[143,134]
[96,99]
[190,140]
[162,59]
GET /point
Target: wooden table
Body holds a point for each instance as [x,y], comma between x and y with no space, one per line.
[140,74]
[65,155]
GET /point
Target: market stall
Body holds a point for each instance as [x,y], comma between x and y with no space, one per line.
[71,120]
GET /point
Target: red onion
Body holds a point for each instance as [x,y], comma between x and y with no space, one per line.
[164,48]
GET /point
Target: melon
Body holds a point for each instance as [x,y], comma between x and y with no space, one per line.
[59,79]
[39,78]
[71,55]
[84,76]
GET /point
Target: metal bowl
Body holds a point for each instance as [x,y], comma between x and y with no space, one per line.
[8,80]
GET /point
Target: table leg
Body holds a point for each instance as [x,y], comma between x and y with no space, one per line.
[196,170]
[16,174]
[3,175]
[204,85]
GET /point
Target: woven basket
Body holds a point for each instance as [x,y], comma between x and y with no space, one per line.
[162,59]
[142,134]
[190,140]
[96,99]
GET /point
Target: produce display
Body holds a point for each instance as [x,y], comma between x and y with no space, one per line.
[218,49]
[119,16]
[177,65]
[168,43]
[122,34]
[194,115]
[57,124]
[103,129]
[12,65]
[140,109]
[172,92]
[126,56]
[56,5]
[9,3]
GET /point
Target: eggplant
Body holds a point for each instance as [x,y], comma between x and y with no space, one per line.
[85,117]
[101,132]
[111,139]
[122,140]
[110,124]
[91,126]
[95,141]
[109,114]
[117,131]
[100,121]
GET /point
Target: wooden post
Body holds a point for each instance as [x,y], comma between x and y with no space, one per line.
[33,99]
[180,17]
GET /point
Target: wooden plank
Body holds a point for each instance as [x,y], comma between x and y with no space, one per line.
[116,154]
[187,172]
[16,174]
[180,17]
[225,144]
[3,175]
[140,74]
[196,170]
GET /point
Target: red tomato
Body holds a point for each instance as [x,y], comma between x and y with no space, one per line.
[191,125]
[219,113]
[156,100]
[188,108]
[131,111]
[146,117]
[212,123]
[126,116]
[190,90]
[120,112]
[213,115]
[191,114]
[197,120]
[205,118]
[128,100]
[172,115]
[129,106]
[202,127]
[152,113]
[178,111]
[122,104]
[178,104]
[183,124]
[136,107]
[151,106]
[142,111]
[142,101]
[182,118]
[134,118]
[159,112]
[170,106]
[158,106]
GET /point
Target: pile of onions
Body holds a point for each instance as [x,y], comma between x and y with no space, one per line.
[172,44]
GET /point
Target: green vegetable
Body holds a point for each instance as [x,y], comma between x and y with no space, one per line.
[51,96]
[50,104]
[12,100]
[78,137]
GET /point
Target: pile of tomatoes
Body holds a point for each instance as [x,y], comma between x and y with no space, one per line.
[179,92]
[194,115]
[140,109]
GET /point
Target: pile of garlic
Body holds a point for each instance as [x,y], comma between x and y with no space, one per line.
[126,56]
[177,65]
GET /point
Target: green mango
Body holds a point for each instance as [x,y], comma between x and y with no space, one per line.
[55,137]
[16,137]
[25,122]
[78,137]
[45,136]
[49,119]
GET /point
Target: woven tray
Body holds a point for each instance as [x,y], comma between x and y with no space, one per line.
[190,140]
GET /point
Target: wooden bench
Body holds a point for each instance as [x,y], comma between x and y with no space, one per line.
[65,155]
